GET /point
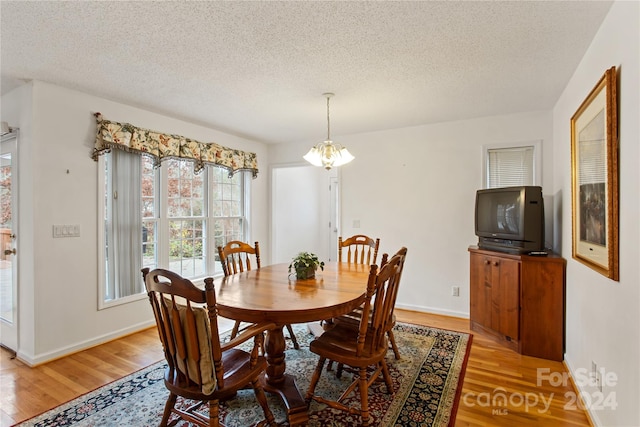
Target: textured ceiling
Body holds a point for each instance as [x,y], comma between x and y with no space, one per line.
[258,69]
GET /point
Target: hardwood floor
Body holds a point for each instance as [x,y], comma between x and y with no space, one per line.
[25,391]
[493,372]
[496,374]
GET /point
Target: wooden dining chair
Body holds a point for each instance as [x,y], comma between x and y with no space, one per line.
[353,318]
[199,367]
[235,257]
[360,249]
[363,347]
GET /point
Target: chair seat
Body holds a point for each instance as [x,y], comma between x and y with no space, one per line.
[237,371]
[339,345]
[353,320]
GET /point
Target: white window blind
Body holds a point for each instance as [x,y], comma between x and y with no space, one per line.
[123,250]
[508,167]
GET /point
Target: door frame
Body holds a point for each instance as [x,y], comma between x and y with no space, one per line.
[334,217]
[9,337]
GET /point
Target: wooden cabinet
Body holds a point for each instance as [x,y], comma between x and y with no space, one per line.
[519,300]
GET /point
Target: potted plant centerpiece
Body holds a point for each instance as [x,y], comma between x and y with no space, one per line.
[305,264]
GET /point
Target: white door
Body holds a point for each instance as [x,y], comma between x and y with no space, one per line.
[299,215]
[8,242]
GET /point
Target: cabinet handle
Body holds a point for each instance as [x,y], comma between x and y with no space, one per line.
[487,262]
[496,263]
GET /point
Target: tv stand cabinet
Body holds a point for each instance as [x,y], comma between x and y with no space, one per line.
[519,300]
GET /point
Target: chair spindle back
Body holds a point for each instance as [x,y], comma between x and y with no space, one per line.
[235,256]
[361,249]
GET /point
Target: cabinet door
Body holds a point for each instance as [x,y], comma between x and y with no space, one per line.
[542,314]
[505,296]
[480,290]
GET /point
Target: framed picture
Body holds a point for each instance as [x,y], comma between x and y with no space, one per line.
[594,178]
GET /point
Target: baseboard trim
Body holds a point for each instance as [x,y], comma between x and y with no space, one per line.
[594,421]
[433,310]
[39,359]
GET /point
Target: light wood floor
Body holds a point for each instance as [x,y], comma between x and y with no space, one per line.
[493,371]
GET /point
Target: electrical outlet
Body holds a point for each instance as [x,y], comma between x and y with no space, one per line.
[455,291]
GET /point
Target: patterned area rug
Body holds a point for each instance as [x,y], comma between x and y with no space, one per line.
[427,382]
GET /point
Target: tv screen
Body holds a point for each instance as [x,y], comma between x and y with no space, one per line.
[510,219]
[501,213]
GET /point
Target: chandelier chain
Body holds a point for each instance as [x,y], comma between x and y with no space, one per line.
[328,121]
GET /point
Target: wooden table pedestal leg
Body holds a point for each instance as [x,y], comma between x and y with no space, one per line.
[277,381]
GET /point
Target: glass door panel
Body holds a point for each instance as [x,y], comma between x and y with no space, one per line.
[8,242]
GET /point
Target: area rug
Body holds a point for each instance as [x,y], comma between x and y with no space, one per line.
[427,384]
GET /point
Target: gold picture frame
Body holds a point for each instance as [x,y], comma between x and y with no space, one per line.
[594,178]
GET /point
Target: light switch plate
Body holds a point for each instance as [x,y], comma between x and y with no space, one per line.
[66,230]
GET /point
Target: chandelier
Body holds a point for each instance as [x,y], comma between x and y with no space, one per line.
[327,154]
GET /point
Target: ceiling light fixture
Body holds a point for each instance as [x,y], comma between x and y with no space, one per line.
[327,154]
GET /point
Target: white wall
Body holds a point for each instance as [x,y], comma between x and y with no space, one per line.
[58,277]
[415,187]
[603,321]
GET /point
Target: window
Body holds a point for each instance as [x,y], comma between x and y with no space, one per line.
[186,217]
[180,217]
[513,165]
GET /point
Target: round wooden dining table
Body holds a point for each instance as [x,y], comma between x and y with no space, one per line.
[272,294]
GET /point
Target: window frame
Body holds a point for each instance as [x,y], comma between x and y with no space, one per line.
[162,220]
[537,158]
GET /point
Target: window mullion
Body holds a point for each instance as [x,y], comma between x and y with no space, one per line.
[163,222]
[210,224]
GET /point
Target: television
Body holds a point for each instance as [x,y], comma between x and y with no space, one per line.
[510,219]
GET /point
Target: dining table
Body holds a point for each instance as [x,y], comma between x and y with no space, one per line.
[273,294]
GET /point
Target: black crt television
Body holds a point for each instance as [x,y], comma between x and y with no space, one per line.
[510,219]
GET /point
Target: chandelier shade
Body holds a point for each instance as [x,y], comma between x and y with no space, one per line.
[327,154]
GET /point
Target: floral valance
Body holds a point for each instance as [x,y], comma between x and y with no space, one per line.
[160,147]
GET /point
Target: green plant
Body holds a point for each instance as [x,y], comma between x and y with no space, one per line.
[305,264]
